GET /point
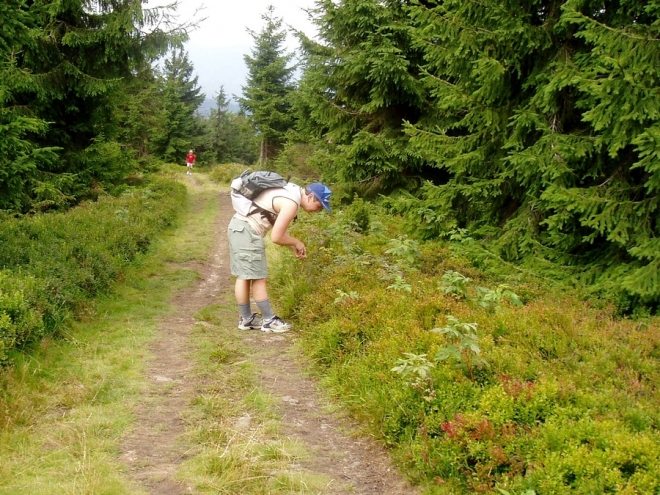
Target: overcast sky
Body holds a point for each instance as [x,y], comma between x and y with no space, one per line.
[217,47]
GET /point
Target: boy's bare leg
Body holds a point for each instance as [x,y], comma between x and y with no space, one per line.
[242,291]
[259,289]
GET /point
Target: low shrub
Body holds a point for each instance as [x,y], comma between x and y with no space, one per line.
[294,160]
[51,265]
[20,317]
[223,174]
[357,216]
[563,398]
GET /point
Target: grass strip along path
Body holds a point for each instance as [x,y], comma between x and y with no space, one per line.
[157,392]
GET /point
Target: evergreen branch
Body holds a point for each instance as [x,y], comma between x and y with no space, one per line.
[160,20]
[606,181]
[462,25]
[441,134]
[363,181]
[432,44]
[469,97]
[614,30]
[440,80]
[347,112]
[532,273]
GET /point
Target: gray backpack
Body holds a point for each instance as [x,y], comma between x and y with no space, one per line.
[248,186]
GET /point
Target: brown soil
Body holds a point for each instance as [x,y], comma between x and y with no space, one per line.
[154,450]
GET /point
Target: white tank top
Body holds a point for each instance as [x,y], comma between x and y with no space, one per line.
[263,215]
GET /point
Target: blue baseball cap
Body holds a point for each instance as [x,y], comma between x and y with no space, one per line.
[322,193]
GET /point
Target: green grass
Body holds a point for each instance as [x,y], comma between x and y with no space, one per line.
[233,424]
[65,405]
[52,265]
[68,403]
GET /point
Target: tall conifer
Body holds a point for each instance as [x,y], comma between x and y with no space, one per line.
[231,137]
[182,97]
[20,156]
[359,86]
[545,117]
[69,62]
[266,96]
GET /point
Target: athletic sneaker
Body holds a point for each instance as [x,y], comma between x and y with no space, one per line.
[251,323]
[275,324]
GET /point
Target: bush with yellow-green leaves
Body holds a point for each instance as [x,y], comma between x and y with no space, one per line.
[52,264]
[478,382]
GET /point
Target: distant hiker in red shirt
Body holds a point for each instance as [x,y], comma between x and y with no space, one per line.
[190,161]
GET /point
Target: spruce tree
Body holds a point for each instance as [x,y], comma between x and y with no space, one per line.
[266,97]
[545,119]
[181,98]
[67,69]
[220,123]
[534,123]
[231,137]
[141,112]
[244,145]
[20,156]
[360,85]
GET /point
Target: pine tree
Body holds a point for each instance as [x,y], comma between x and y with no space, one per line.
[266,97]
[546,117]
[360,85]
[181,97]
[65,72]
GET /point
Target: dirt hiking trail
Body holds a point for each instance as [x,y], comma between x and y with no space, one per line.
[155,449]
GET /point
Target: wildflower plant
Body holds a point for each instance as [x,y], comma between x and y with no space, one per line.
[416,371]
[465,350]
[491,299]
[413,365]
[455,284]
[400,285]
[344,296]
[404,249]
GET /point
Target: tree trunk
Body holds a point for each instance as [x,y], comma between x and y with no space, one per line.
[262,154]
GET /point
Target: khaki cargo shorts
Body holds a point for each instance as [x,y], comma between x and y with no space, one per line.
[247,251]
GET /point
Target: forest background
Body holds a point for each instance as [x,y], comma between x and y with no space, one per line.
[531,127]
[526,132]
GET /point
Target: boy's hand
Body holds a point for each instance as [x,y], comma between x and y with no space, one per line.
[300,250]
